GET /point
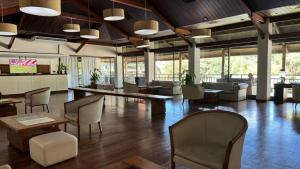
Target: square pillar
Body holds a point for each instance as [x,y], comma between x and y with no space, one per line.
[149,66]
[194,62]
[118,72]
[264,55]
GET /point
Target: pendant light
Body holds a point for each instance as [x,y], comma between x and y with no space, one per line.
[146,27]
[7,29]
[143,44]
[41,7]
[201,33]
[89,33]
[113,14]
[71,27]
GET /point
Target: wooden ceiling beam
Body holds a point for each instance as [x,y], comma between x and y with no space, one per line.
[180,32]
[255,18]
[11,10]
[80,17]
[81,46]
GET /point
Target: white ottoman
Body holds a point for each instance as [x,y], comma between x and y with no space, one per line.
[52,148]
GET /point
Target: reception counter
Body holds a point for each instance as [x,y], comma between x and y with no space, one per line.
[19,84]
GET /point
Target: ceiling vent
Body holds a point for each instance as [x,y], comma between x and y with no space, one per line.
[48,39]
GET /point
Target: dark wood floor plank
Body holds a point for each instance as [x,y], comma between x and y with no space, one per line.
[272,140]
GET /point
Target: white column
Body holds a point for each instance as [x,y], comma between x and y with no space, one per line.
[194,61]
[118,72]
[264,54]
[149,66]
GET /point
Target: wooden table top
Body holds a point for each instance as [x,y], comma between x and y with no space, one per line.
[9,101]
[12,123]
[124,94]
[134,162]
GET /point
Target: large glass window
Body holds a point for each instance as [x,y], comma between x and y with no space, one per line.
[107,68]
[134,66]
[211,65]
[169,66]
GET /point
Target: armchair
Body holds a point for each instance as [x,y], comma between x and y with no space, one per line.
[39,97]
[87,110]
[192,92]
[210,140]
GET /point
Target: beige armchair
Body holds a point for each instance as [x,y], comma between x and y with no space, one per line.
[192,92]
[5,167]
[87,110]
[39,97]
[296,94]
[208,140]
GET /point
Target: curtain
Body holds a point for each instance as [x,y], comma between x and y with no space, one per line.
[72,70]
[88,65]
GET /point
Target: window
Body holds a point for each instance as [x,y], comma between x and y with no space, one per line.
[80,71]
[211,65]
[169,66]
[107,68]
[134,66]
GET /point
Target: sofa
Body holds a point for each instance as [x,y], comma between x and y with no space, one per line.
[232,91]
[167,87]
[252,84]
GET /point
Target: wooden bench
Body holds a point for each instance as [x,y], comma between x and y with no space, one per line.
[158,102]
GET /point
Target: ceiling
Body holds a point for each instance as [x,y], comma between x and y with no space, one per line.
[185,14]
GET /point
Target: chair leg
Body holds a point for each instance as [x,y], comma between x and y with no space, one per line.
[65,127]
[47,108]
[100,128]
[25,109]
[296,106]
[43,108]
[30,109]
[90,127]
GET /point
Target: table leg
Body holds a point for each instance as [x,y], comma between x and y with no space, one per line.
[158,107]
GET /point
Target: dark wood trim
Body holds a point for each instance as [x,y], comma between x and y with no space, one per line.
[81,46]
[22,94]
[11,42]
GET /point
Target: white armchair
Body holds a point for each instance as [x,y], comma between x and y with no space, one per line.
[296,94]
[208,140]
[39,97]
[87,110]
[192,92]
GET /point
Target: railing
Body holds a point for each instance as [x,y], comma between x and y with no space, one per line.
[130,78]
[167,77]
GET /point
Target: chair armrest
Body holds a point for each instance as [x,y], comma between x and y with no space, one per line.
[30,94]
[234,153]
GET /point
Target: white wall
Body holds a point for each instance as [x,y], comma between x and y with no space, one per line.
[47,52]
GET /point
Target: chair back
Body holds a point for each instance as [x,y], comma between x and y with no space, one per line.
[39,96]
[296,93]
[193,92]
[92,111]
[218,127]
[130,88]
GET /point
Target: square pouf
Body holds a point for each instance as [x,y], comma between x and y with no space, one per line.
[52,148]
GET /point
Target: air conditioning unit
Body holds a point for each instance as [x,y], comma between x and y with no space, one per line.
[48,39]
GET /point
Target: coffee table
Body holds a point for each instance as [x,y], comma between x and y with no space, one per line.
[134,162]
[8,107]
[18,134]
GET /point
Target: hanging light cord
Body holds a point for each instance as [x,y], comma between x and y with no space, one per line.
[89,14]
[113,3]
[145,9]
[2,11]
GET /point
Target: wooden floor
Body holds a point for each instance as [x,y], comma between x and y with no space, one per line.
[272,140]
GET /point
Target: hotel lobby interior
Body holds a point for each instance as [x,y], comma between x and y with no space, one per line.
[150,84]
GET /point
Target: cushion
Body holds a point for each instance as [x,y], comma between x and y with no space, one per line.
[208,155]
[52,148]
[5,167]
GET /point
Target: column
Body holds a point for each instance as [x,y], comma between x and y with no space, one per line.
[264,54]
[194,62]
[284,54]
[149,66]
[118,72]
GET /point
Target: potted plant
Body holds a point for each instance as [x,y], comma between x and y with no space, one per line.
[61,68]
[189,78]
[95,76]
